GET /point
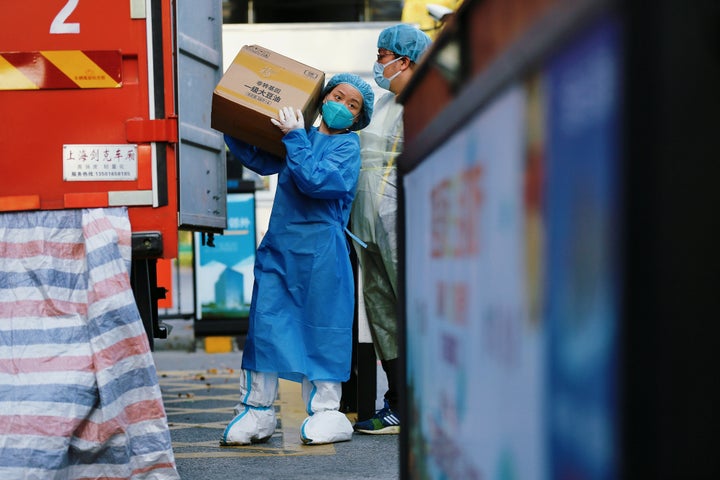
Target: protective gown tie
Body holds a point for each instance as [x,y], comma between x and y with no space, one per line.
[356,238]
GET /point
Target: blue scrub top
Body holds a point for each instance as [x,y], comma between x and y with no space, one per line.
[303,298]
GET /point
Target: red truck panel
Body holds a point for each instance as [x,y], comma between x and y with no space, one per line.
[76,127]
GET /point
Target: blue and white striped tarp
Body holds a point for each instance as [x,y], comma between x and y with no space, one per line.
[79,394]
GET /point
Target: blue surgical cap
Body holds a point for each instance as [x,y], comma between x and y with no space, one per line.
[365,90]
[405,40]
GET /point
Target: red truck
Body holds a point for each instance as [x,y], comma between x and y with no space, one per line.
[107,104]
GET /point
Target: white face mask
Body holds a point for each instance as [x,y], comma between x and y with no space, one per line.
[378,71]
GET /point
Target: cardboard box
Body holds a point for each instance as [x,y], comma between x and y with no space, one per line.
[254,88]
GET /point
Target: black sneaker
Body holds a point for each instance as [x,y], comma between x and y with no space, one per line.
[384,422]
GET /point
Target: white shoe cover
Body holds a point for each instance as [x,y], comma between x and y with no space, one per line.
[329,426]
[250,425]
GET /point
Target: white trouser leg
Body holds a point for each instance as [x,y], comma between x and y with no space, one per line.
[326,424]
[254,420]
[258,389]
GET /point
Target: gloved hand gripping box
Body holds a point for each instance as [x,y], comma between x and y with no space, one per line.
[254,88]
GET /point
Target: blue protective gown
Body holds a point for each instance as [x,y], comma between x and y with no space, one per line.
[303,299]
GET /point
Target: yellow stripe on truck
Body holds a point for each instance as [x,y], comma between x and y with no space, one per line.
[13,79]
[80,69]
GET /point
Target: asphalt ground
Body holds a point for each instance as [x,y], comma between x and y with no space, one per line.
[200,390]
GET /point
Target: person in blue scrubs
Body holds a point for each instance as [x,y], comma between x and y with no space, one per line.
[303,299]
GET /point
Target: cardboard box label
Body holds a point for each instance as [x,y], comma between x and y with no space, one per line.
[267,92]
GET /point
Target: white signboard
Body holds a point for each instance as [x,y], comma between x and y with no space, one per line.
[94,163]
[474,356]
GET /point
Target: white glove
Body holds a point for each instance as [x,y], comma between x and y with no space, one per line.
[289,120]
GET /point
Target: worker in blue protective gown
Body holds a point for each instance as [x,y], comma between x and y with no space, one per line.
[302,308]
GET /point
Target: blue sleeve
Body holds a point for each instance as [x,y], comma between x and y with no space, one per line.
[323,173]
[259,161]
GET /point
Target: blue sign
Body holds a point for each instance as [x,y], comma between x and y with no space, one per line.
[224,273]
[583,269]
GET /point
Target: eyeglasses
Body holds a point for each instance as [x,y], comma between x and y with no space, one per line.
[382,55]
